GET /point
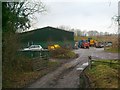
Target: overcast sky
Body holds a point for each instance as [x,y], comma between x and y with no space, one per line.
[79,14]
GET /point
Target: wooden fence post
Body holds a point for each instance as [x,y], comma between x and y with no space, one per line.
[89,61]
[110,63]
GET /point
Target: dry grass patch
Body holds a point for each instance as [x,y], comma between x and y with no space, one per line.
[104,76]
[21,79]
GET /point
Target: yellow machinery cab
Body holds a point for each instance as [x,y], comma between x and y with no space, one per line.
[53,47]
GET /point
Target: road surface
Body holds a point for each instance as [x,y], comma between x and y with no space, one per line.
[67,76]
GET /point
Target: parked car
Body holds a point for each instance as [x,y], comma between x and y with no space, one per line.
[99,45]
[108,44]
[33,48]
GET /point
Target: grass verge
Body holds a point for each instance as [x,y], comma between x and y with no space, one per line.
[113,50]
[104,74]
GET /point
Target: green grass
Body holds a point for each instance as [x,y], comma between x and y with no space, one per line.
[104,74]
[113,50]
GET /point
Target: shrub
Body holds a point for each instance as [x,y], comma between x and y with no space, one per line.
[13,64]
[62,53]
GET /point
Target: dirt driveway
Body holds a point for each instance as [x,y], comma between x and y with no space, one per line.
[67,76]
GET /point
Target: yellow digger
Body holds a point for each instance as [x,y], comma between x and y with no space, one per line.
[91,42]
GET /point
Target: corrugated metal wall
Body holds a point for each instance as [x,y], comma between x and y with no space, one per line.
[46,36]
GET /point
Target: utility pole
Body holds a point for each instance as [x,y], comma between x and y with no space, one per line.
[119,17]
[118,38]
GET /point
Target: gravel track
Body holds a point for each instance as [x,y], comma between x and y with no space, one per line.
[67,76]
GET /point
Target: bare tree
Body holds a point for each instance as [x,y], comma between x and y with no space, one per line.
[19,14]
[67,28]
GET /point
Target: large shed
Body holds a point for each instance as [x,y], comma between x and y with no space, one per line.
[47,36]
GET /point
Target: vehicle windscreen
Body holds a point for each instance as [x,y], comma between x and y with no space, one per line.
[84,41]
[34,46]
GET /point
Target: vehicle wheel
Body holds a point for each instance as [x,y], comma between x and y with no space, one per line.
[87,47]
